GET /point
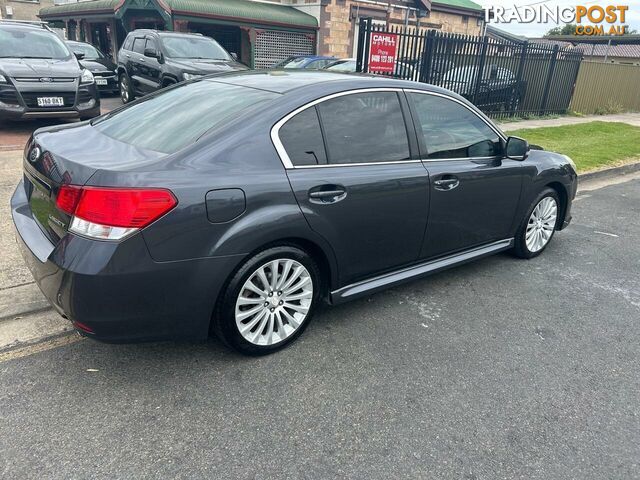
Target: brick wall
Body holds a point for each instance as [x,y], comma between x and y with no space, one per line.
[23,10]
[337,25]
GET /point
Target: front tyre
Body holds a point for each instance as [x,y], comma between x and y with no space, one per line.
[269,302]
[539,225]
[126,92]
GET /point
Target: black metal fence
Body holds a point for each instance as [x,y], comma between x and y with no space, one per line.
[500,77]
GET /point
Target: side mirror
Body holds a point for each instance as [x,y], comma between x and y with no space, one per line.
[151,52]
[517,148]
[234,55]
[79,55]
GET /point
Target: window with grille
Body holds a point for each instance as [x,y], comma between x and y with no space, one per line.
[275,46]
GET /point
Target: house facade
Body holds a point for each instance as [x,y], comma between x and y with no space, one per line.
[261,33]
[338,20]
[22,9]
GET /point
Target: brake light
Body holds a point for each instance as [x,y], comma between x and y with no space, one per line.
[113,213]
[67,198]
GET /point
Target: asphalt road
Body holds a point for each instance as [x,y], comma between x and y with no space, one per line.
[502,368]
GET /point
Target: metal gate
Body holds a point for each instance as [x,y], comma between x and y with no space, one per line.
[273,46]
[500,77]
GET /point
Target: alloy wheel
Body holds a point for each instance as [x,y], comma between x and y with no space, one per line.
[274,302]
[124,89]
[541,224]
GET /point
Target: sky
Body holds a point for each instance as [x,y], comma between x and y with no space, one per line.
[537,29]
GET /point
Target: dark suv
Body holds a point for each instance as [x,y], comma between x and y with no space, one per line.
[150,60]
[40,77]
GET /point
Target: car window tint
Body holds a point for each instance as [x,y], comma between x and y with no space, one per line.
[181,115]
[151,43]
[451,130]
[364,127]
[128,43]
[316,65]
[302,139]
[138,45]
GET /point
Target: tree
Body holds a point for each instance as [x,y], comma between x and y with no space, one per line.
[568,29]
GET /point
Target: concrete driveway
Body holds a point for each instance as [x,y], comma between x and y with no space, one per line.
[502,368]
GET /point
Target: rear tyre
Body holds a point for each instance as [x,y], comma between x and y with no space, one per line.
[126,92]
[539,225]
[269,301]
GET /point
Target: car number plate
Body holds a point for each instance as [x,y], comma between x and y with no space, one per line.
[101,81]
[50,101]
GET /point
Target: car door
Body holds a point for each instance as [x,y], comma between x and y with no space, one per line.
[349,161]
[135,62]
[150,68]
[474,189]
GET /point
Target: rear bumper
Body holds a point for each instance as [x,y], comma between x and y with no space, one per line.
[115,288]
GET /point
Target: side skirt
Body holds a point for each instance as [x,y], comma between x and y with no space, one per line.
[387,280]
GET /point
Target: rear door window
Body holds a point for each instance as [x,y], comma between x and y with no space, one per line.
[128,43]
[302,139]
[364,127]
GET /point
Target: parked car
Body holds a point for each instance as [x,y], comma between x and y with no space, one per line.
[344,65]
[439,65]
[102,67]
[308,62]
[40,77]
[498,89]
[348,65]
[233,211]
[150,60]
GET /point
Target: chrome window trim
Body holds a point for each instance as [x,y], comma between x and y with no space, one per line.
[362,164]
[282,152]
[286,161]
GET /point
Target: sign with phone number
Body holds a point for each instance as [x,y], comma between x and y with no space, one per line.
[382,52]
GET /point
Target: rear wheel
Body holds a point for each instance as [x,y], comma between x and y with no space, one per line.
[126,92]
[269,302]
[538,227]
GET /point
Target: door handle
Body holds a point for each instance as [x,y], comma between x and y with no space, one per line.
[142,59]
[327,194]
[446,183]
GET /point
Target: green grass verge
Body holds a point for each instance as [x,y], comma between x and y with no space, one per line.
[591,145]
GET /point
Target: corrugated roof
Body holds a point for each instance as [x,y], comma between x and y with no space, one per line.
[468,4]
[240,10]
[246,10]
[94,5]
[599,50]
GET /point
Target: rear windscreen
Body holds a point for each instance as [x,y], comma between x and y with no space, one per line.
[179,116]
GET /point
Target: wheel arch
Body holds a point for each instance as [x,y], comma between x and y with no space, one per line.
[325,259]
[561,190]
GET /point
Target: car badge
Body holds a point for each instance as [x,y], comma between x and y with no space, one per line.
[46,79]
[34,154]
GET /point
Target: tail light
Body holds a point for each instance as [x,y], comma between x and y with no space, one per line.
[112,213]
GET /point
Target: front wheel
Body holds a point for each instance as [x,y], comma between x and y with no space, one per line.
[538,227]
[126,92]
[269,301]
